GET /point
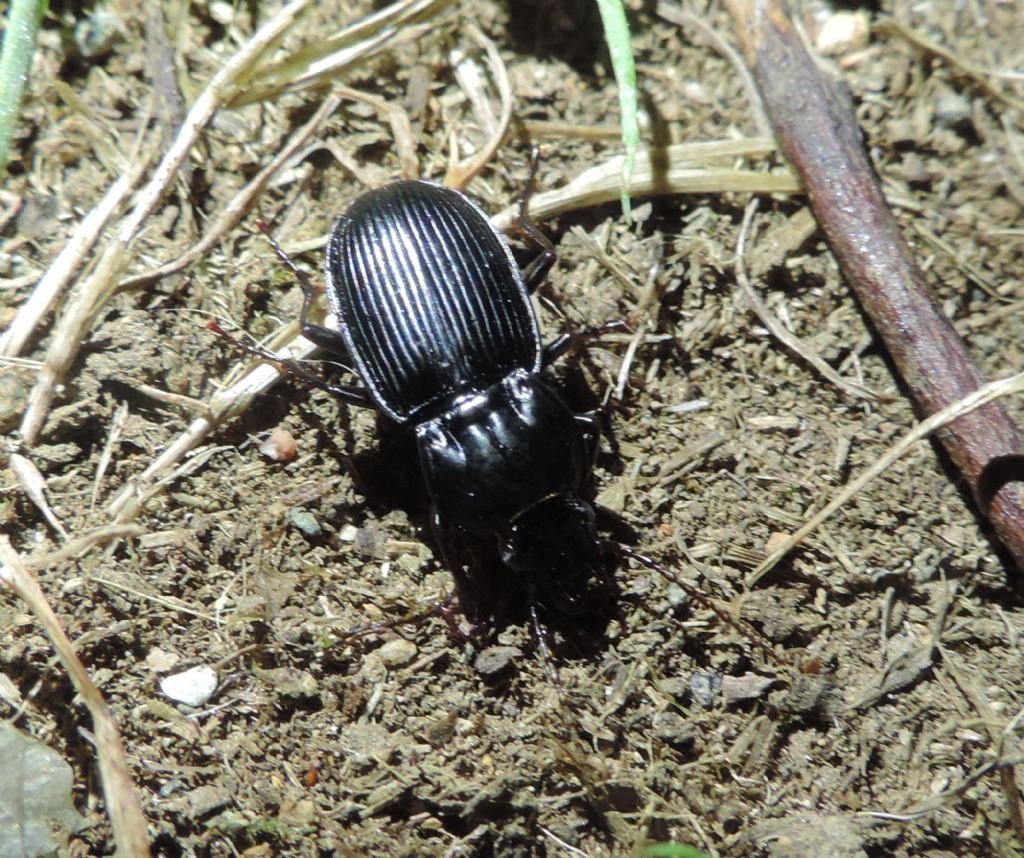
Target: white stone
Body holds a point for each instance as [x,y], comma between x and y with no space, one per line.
[192,687]
[843,32]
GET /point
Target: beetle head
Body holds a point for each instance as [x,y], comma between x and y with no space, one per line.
[554,545]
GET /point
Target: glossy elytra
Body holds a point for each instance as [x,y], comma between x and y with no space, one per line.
[436,317]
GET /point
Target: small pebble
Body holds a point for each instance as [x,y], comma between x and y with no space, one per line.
[97,34]
[677,596]
[397,652]
[13,395]
[812,698]
[750,686]
[843,32]
[774,540]
[290,682]
[305,521]
[223,13]
[159,661]
[192,687]
[279,445]
[675,686]
[673,728]
[952,108]
[496,659]
[705,687]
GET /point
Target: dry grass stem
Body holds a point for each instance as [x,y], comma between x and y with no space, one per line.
[177,400]
[34,485]
[983,395]
[682,18]
[948,796]
[77,546]
[321,61]
[624,278]
[114,433]
[890,27]
[779,331]
[401,128]
[224,405]
[544,129]
[21,363]
[460,174]
[231,214]
[123,805]
[678,169]
[93,294]
[983,281]
[998,732]
[165,601]
[640,319]
[43,298]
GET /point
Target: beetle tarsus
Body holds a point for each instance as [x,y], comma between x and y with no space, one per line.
[323,337]
[286,260]
[350,394]
[579,340]
[540,633]
[537,271]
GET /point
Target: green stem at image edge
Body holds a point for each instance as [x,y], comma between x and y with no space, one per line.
[15,59]
[616,34]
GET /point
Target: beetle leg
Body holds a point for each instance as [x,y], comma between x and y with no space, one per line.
[454,554]
[540,634]
[534,273]
[576,341]
[450,610]
[325,338]
[590,428]
[350,394]
[453,558]
[537,271]
[285,259]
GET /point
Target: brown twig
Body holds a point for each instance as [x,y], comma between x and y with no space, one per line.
[818,133]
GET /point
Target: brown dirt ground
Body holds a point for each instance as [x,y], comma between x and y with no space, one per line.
[667,724]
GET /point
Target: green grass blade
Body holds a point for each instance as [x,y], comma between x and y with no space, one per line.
[616,34]
[15,60]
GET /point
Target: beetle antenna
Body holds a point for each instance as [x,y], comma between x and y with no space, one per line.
[536,271]
[285,259]
[541,635]
[531,181]
[351,395]
[740,625]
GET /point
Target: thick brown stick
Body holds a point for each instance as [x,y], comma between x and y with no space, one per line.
[817,131]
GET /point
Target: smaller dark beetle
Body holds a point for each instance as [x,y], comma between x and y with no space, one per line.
[436,316]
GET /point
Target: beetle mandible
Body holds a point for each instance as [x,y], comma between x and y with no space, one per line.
[436,317]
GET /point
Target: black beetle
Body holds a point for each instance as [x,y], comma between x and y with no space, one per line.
[436,316]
